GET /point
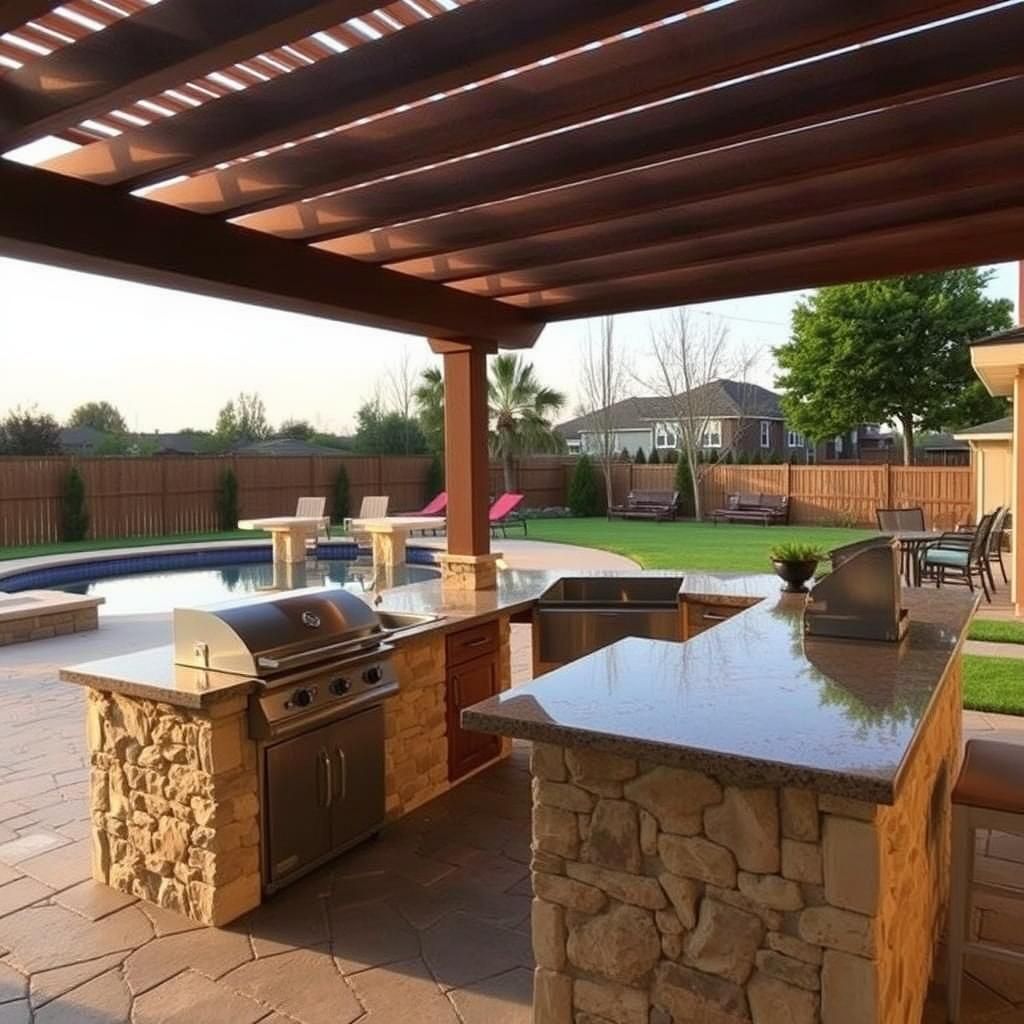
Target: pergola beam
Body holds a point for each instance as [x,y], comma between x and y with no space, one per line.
[924,185]
[915,131]
[457,48]
[964,241]
[52,219]
[740,39]
[157,49]
[935,61]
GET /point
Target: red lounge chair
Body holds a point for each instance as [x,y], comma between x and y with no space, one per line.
[502,514]
[435,507]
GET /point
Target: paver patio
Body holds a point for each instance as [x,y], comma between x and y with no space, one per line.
[428,924]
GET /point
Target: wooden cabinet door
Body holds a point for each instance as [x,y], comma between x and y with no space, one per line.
[469,683]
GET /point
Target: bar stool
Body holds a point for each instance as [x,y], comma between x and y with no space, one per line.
[988,794]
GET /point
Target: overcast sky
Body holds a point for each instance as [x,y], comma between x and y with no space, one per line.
[170,360]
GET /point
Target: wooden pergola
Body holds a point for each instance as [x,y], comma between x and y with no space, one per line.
[471,170]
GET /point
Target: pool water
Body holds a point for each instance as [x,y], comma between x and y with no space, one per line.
[149,593]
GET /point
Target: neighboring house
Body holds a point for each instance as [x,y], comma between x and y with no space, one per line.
[741,417]
[942,449]
[991,446]
[81,440]
[867,442]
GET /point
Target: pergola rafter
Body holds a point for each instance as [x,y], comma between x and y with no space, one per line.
[470,170]
[741,39]
[907,67]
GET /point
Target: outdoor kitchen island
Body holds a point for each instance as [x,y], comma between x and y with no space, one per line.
[752,825]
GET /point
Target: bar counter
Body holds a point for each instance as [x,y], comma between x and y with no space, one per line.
[748,826]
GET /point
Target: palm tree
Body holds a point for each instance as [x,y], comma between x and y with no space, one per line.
[520,411]
[429,398]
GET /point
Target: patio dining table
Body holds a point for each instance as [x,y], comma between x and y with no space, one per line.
[911,544]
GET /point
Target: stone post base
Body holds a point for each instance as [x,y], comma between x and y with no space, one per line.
[469,572]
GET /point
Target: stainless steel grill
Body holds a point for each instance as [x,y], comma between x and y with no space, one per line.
[321,660]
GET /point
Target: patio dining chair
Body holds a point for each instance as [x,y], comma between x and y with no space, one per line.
[958,558]
[994,548]
[893,520]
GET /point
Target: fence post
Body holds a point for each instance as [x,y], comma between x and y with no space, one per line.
[888,485]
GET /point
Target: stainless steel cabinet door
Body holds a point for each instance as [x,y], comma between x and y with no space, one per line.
[357,761]
[297,789]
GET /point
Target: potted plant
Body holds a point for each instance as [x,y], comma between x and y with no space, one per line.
[795,564]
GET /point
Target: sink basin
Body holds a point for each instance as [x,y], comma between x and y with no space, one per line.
[399,621]
[613,590]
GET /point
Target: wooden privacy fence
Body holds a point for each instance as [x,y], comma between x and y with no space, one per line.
[177,494]
[826,495]
[145,497]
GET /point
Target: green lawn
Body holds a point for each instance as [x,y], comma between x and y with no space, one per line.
[997,632]
[994,684]
[32,551]
[686,545]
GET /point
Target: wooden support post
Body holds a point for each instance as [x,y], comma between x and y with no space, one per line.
[1017,592]
[469,563]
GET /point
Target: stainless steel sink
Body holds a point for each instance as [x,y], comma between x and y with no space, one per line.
[581,614]
[613,591]
[399,622]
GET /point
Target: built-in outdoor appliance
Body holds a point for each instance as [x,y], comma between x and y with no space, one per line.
[861,598]
[578,615]
[321,662]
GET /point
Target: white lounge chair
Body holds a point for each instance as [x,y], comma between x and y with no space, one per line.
[314,508]
[372,507]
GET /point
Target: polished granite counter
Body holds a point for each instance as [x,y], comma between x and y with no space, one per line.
[751,699]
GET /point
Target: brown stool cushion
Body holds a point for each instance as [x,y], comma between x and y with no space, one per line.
[992,776]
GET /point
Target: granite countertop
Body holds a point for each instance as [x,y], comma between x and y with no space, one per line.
[751,699]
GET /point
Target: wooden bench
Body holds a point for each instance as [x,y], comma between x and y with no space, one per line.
[646,505]
[766,509]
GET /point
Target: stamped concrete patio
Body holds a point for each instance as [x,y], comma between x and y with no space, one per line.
[430,924]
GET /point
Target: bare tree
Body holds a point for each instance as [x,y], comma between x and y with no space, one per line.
[689,353]
[399,384]
[604,384]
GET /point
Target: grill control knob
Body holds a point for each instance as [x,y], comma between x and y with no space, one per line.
[302,698]
[340,686]
[374,674]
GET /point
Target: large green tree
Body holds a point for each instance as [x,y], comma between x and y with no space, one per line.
[890,351]
[387,433]
[521,411]
[29,432]
[100,416]
[241,420]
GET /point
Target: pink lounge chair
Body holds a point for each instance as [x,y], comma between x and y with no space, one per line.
[435,507]
[502,514]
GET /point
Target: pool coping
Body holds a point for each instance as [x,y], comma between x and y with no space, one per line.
[31,573]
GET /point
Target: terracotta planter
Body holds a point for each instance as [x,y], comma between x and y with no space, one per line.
[795,574]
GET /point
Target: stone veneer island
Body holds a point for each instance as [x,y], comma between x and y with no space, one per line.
[748,826]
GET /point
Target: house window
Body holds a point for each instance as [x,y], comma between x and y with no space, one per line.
[839,445]
[795,439]
[665,437]
[712,434]
[766,434]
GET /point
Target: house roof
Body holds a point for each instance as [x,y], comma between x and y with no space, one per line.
[81,438]
[940,442]
[722,399]
[1001,426]
[1010,337]
[285,446]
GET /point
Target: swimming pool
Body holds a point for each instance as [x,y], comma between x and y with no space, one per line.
[153,583]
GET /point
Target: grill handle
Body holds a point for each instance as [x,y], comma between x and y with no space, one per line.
[317,653]
[344,773]
[328,776]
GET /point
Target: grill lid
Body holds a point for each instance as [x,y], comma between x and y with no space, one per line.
[273,632]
